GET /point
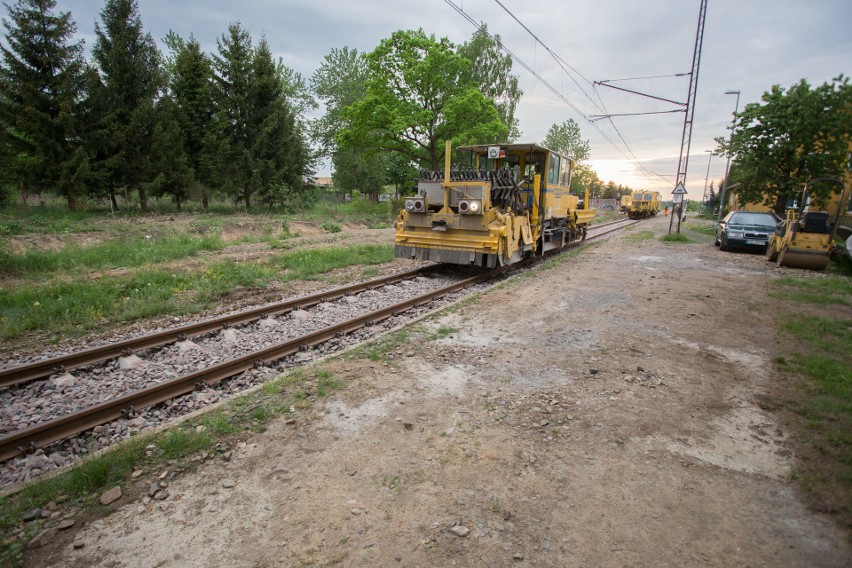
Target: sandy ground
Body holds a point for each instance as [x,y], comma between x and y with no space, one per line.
[604,412]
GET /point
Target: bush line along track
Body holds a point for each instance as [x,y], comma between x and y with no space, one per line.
[40,435]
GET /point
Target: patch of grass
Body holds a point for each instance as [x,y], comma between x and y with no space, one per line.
[443,331]
[181,442]
[331,227]
[639,237]
[676,238]
[704,228]
[821,291]
[19,221]
[115,254]
[75,307]
[309,265]
[824,361]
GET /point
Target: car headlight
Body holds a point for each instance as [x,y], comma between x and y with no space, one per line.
[415,205]
[470,207]
[735,234]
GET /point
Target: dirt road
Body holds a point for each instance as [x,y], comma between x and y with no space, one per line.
[607,411]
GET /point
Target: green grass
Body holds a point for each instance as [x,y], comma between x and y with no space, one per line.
[130,253]
[309,265]
[825,363]
[73,308]
[703,228]
[52,221]
[640,236]
[821,291]
[676,238]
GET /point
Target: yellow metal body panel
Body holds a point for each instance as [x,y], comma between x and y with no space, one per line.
[543,215]
[798,249]
[643,204]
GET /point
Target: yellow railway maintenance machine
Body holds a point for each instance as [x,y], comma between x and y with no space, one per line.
[512,202]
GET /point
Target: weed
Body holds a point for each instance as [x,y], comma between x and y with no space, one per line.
[331,227]
[676,238]
[639,237]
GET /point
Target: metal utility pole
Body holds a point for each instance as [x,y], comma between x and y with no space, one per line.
[686,137]
[728,163]
[706,179]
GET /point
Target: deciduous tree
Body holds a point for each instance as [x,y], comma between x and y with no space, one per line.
[418,96]
[789,138]
[491,71]
[566,139]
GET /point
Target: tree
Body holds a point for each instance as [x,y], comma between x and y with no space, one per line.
[584,177]
[793,137]
[191,89]
[232,73]
[340,82]
[417,97]
[491,71]
[128,63]
[565,138]
[277,154]
[41,83]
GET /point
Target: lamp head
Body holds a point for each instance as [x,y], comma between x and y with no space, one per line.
[732,92]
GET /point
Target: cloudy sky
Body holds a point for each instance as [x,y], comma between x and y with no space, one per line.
[749,45]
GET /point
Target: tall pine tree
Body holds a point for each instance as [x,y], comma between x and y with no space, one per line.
[128,62]
[232,67]
[40,87]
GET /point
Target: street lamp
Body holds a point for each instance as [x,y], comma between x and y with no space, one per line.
[728,163]
[706,179]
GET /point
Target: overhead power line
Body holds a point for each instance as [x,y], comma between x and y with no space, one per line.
[563,64]
[556,92]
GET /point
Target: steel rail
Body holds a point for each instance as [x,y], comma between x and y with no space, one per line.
[39,369]
[60,428]
[40,435]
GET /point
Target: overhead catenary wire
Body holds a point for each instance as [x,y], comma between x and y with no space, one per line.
[556,92]
[563,64]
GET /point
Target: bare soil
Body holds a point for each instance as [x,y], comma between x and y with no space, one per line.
[618,409]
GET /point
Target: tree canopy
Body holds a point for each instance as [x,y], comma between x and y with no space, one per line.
[491,71]
[789,138]
[418,95]
[565,138]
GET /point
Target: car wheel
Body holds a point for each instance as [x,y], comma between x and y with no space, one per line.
[723,245]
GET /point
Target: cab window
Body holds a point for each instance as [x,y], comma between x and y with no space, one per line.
[565,173]
[553,170]
[533,164]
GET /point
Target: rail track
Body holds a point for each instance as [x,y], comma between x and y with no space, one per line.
[27,440]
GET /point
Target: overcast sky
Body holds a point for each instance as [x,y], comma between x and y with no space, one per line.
[749,45]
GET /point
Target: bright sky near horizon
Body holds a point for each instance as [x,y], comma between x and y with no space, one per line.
[749,45]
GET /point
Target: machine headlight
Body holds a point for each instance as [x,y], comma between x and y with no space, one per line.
[735,234]
[470,207]
[415,205]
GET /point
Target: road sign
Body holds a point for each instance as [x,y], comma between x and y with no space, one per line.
[679,189]
[677,198]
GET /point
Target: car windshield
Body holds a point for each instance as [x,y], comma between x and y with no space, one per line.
[763,219]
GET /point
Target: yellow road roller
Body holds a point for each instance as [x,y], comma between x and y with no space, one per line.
[804,240]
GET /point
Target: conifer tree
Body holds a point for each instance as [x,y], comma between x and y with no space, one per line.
[128,63]
[232,67]
[191,91]
[40,87]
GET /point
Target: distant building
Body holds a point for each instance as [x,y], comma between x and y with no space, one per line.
[324,183]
